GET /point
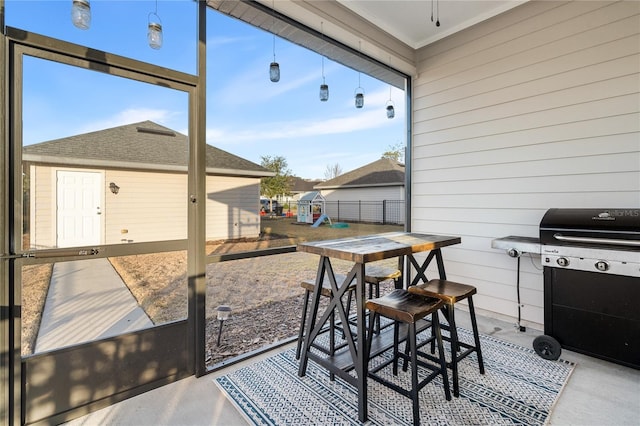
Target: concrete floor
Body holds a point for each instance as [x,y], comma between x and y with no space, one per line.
[597,393]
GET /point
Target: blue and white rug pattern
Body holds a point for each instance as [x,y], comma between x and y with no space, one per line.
[518,387]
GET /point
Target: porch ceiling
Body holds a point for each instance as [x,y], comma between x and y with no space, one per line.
[388,31]
[410,20]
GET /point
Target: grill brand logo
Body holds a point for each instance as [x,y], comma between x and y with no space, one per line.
[612,214]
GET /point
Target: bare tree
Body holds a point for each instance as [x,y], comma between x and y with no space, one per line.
[332,171]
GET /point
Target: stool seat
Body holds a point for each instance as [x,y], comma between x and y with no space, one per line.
[450,292]
[375,274]
[310,285]
[401,305]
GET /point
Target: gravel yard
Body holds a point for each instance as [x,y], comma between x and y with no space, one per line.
[263,292]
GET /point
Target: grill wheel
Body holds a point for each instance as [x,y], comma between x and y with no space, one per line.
[547,347]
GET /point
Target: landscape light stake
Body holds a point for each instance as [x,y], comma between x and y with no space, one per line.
[224,312]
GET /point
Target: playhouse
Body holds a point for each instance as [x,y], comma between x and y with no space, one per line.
[310,206]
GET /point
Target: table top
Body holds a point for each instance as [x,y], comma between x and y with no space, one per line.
[369,248]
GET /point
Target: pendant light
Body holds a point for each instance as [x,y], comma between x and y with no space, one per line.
[274,68]
[359,93]
[81,14]
[359,98]
[391,112]
[324,89]
[154,33]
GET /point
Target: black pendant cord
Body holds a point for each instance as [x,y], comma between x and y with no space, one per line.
[437,12]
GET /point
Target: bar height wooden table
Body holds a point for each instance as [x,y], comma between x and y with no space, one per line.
[361,250]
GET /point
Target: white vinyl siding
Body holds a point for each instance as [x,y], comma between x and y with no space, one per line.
[364,194]
[536,108]
[232,207]
[42,215]
[151,206]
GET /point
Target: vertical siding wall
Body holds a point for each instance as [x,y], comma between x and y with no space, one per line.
[533,109]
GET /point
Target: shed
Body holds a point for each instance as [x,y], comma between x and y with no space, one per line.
[129,184]
[310,206]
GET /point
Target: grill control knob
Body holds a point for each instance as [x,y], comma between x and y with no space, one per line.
[563,261]
[601,265]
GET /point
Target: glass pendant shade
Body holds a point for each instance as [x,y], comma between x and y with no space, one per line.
[81,14]
[324,92]
[274,72]
[359,98]
[390,110]
[154,35]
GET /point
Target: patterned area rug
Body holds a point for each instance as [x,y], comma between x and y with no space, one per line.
[518,387]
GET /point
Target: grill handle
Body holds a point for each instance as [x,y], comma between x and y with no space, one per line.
[632,243]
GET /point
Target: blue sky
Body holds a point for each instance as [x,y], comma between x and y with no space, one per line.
[247,114]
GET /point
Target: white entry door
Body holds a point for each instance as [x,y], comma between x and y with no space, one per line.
[79,208]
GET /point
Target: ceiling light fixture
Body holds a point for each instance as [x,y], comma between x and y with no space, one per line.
[324,89]
[81,14]
[274,68]
[154,34]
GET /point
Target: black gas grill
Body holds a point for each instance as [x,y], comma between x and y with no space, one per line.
[591,260]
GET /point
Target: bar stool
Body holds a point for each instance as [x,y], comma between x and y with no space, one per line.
[374,275]
[404,307]
[450,293]
[326,291]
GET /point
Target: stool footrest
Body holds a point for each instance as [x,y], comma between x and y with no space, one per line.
[463,354]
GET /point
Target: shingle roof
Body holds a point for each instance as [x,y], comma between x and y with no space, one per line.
[311,196]
[383,172]
[144,145]
[299,185]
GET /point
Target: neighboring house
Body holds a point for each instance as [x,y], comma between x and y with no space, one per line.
[300,186]
[371,193]
[129,184]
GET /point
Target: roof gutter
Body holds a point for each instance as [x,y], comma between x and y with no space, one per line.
[92,163]
[366,185]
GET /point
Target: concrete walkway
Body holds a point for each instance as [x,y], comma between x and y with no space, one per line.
[87,300]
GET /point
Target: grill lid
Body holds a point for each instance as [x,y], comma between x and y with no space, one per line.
[602,226]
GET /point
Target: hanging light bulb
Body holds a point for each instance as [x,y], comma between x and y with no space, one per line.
[391,112]
[324,89]
[81,14]
[274,68]
[274,72]
[154,33]
[359,98]
[359,93]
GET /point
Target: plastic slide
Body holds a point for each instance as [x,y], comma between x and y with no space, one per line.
[321,219]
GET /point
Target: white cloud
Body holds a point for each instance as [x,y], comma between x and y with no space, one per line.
[217,41]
